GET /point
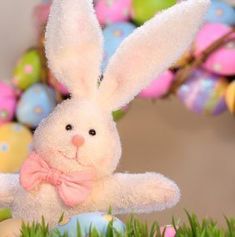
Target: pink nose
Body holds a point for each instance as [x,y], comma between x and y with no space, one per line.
[78,140]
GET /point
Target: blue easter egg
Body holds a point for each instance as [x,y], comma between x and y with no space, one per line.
[35,104]
[113,36]
[97,220]
[221,12]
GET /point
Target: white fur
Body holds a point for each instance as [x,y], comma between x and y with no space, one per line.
[74,46]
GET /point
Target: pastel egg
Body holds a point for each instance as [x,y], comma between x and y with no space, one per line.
[96,220]
[35,104]
[119,114]
[230,97]
[158,87]
[142,11]
[113,36]
[230,2]
[10,228]
[41,14]
[169,231]
[15,145]
[222,60]
[57,85]
[5,213]
[7,102]
[221,12]
[204,93]
[112,11]
[28,70]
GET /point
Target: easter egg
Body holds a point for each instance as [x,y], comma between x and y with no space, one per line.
[230,2]
[168,231]
[28,70]
[113,36]
[221,12]
[35,104]
[96,220]
[15,144]
[7,102]
[230,97]
[142,11]
[41,14]
[222,60]
[10,228]
[204,93]
[112,11]
[5,214]
[158,87]
[119,114]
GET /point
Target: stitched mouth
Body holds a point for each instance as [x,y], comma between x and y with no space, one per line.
[76,158]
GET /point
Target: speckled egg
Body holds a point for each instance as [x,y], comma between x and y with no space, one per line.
[7,102]
[221,12]
[158,87]
[113,36]
[221,61]
[15,145]
[35,104]
[230,97]
[204,93]
[112,11]
[143,10]
[96,220]
[28,70]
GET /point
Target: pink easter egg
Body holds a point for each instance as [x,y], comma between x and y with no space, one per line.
[111,11]
[169,231]
[158,87]
[41,14]
[221,61]
[7,102]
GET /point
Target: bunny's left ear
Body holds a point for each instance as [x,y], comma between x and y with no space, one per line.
[74,45]
[149,51]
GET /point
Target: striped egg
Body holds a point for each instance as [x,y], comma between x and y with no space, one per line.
[204,93]
[230,97]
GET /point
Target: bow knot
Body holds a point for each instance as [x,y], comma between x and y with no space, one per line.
[53,177]
[73,188]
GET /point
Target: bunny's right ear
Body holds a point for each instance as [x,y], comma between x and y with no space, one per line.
[74,45]
[149,51]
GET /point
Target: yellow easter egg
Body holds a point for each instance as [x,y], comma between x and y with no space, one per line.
[230,97]
[15,143]
[10,228]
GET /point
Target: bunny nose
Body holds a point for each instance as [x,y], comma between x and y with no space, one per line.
[78,140]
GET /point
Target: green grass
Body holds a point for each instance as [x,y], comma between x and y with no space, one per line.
[137,228]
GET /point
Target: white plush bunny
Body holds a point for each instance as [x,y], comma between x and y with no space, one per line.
[77,148]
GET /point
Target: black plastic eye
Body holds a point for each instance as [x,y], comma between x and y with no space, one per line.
[92,132]
[69,127]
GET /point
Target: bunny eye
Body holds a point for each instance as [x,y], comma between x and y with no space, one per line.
[69,127]
[92,132]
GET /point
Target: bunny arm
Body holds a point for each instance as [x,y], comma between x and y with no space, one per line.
[9,183]
[126,193]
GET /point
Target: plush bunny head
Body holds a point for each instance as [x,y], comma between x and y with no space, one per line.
[81,133]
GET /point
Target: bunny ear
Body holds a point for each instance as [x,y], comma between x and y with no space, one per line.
[149,51]
[74,45]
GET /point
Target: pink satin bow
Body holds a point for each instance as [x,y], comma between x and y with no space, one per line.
[73,188]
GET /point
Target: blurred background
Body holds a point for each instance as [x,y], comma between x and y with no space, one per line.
[189,139]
